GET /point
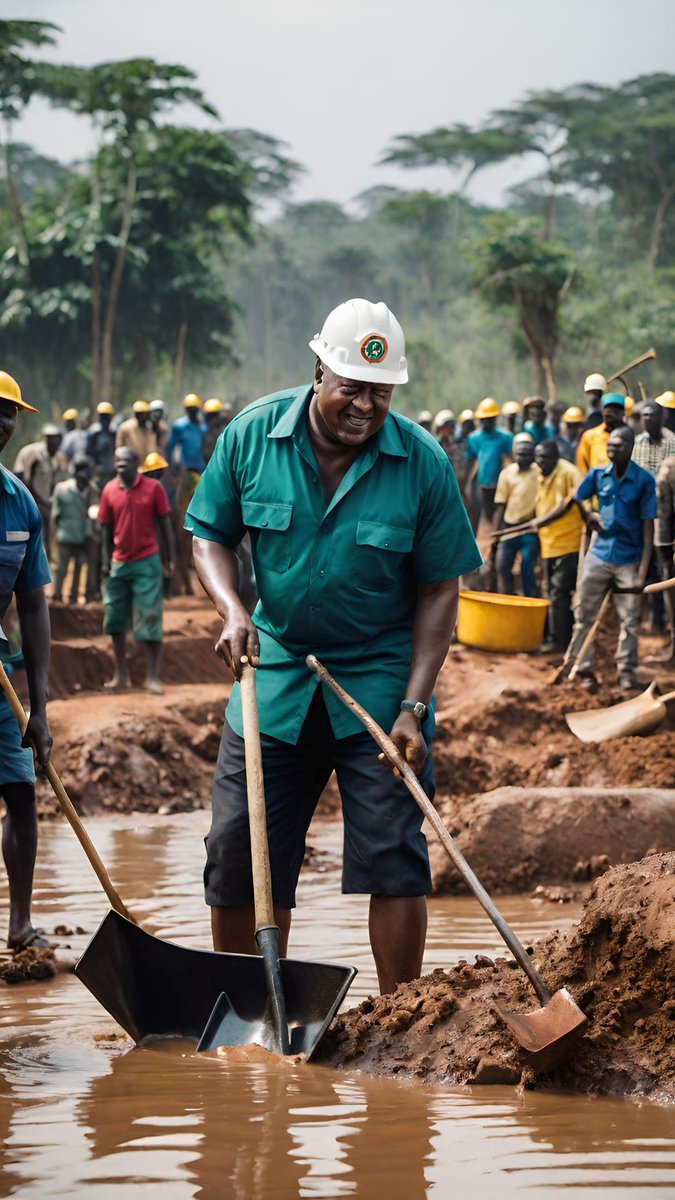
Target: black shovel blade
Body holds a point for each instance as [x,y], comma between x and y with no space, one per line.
[156,989]
[226,1027]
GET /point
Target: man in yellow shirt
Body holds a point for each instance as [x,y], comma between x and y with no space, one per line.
[592,447]
[515,501]
[560,541]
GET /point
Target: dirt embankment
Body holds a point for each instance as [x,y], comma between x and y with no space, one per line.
[618,963]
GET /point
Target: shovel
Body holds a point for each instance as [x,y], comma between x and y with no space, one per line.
[230,1024]
[547,1033]
[642,714]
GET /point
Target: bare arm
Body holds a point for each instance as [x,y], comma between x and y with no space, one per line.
[106,548]
[167,543]
[35,634]
[435,618]
[648,538]
[218,571]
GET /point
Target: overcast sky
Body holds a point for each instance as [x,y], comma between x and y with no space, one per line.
[338,79]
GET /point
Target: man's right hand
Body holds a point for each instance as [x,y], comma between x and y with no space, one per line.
[239,637]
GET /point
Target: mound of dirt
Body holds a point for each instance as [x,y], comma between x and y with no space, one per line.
[619,964]
[516,838]
[36,962]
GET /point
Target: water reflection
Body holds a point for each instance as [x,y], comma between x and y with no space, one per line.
[93,1119]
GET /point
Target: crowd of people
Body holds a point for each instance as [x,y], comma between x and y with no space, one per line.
[112,495]
[584,503]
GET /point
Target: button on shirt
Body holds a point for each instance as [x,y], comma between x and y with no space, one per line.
[563,536]
[491,448]
[623,505]
[187,438]
[518,491]
[23,562]
[336,578]
[133,513]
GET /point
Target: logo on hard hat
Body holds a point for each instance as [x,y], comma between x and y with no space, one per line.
[374,348]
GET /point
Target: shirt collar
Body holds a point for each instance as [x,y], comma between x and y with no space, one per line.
[6,482]
[631,473]
[389,439]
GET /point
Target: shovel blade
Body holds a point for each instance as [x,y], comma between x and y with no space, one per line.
[639,715]
[157,989]
[226,1027]
[548,1034]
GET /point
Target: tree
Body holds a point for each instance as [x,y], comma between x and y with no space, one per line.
[124,101]
[513,268]
[457,146]
[19,81]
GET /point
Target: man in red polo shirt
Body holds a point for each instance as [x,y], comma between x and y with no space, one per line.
[137,552]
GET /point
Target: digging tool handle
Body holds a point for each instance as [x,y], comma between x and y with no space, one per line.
[663,585]
[415,788]
[590,636]
[67,805]
[260,855]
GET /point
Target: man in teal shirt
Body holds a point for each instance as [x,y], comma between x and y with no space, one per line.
[358,536]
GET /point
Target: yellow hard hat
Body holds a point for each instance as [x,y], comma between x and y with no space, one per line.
[10,390]
[141,406]
[154,462]
[213,405]
[465,415]
[71,414]
[105,407]
[192,400]
[487,408]
[630,405]
[574,415]
[666,400]
[511,408]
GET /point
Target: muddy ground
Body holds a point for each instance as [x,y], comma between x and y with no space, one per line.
[619,965]
[501,729]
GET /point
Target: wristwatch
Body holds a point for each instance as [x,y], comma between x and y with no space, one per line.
[417,707]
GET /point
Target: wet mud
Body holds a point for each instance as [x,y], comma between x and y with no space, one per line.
[618,963]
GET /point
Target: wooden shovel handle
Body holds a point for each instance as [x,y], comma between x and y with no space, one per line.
[257,813]
[67,806]
[663,585]
[417,791]
[590,636]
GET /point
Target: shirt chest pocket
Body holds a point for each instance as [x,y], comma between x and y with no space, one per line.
[11,560]
[379,554]
[606,502]
[270,528]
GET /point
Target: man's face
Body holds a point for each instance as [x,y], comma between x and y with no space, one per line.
[447,431]
[156,417]
[53,441]
[537,414]
[349,411]
[619,449]
[194,414]
[572,431]
[488,424]
[105,419]
[652,419]
[613,415]
[144,419]
[524,455]
[82,476]
[546,459]
[8,415]
[126,465]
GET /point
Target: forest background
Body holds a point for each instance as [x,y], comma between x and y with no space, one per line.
[175,258]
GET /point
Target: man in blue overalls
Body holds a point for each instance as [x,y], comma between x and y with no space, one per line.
[24,571]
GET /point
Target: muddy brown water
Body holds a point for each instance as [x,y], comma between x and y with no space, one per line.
[83,1114]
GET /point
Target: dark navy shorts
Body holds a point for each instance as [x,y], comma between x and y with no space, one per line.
[385,852]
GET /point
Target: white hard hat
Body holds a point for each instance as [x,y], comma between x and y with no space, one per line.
[157,406]
[362,340]
[444,417]
[595,383]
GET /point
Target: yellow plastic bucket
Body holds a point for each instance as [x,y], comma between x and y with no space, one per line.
[509,624]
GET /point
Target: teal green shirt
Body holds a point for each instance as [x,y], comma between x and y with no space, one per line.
[337,579]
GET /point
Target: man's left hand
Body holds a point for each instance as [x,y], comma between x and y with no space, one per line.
[406,735]
[37,734]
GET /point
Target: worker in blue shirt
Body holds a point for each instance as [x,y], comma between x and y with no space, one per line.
[185,452]
[358,537]
[620,551]
[489,451]
[24,571]
[534,408]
